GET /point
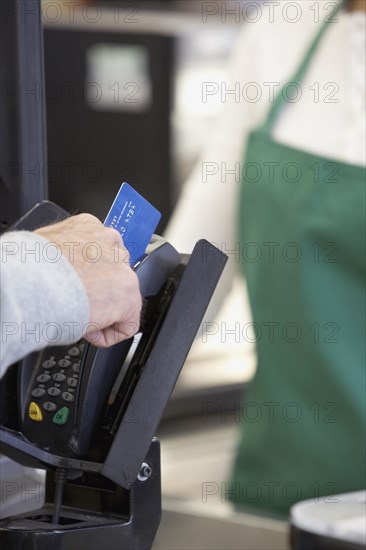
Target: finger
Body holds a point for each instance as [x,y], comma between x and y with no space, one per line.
[112,335]
[101,338]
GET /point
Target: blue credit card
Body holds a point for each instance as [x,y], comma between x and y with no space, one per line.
[134,218]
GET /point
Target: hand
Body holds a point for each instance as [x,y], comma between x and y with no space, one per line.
[98,256]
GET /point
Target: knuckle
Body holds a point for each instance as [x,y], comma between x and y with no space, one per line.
[87,218]
[113,233]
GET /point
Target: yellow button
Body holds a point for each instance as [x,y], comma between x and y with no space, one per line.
[35,412]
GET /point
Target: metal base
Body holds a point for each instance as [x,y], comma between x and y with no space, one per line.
[96,514]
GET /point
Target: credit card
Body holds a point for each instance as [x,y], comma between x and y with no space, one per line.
[134,218]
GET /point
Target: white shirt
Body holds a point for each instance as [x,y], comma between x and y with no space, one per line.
[328,119]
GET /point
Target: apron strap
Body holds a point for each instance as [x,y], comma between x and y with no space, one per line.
[268,124]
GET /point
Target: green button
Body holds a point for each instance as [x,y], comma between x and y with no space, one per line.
[61,416]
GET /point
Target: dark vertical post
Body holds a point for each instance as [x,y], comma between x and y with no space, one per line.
[23,160]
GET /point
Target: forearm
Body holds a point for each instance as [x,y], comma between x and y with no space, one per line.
[43,301]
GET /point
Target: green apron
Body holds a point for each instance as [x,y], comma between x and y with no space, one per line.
[302,230]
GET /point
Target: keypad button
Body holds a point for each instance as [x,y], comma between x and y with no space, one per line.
[49,406]
[48,364]
[74,352]
[43,378]
[59,377]
[38,392]
[61,416]
[72,382]
[53,391]
[76,367]
[35,412]
[67,396]
[64,363]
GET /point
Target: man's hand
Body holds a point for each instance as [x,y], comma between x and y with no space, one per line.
[98,256]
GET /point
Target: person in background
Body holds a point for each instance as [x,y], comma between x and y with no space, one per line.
[83,287]
[281,184]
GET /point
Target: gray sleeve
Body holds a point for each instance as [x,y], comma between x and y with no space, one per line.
[43,301]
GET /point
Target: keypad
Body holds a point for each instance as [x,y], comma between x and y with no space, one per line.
[35,412]
[49,406]
[64,363]
[67,396]
[43,378]
[54,391]
[61,416]
[72,382]
[49,364]
[55,388]
[59,377]
[38,392]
